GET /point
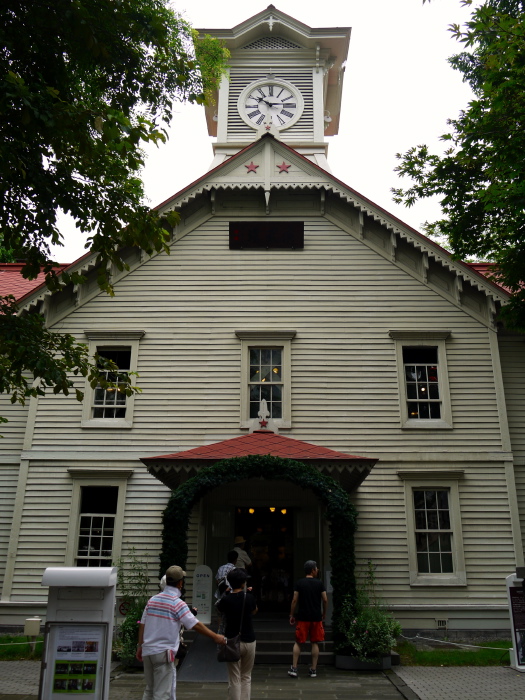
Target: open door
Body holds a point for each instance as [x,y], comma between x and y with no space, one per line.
[270,541]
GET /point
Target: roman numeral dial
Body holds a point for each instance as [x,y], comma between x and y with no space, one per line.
[277,104]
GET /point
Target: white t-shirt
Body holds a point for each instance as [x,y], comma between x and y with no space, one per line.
[243,560]
[162,618]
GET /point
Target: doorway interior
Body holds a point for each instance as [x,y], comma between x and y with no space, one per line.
[269,534]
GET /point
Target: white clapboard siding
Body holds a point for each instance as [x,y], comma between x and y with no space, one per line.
[339,297]
[8,482]
[146,499]
[13,431]
[512,352]
[342,298]
[43,530]
[488,550]
[45,525]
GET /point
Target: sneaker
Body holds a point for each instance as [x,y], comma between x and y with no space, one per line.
[313,673]
[292,671]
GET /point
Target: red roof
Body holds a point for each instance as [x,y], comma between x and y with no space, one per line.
[487,270]
[12,282]
[260,442]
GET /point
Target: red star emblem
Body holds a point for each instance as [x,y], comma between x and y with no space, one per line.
[252,168]
[267,127]
[283,168]
[263,423]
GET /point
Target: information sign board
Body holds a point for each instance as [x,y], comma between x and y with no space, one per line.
[516,599]
[74,660]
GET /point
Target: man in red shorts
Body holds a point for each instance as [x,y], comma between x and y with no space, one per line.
[310,600]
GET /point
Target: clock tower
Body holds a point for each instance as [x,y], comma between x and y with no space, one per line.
[285,78]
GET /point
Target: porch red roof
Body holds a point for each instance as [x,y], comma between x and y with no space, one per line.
[260,442]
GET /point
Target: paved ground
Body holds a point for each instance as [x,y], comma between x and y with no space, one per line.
[19,681]
[463,683]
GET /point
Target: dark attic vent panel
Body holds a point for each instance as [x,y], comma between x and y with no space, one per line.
[266,234]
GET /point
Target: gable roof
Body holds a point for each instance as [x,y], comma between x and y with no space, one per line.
[268,165]
[171,469]
[267,175]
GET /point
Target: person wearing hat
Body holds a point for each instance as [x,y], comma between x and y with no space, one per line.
[159,634]
[243,560]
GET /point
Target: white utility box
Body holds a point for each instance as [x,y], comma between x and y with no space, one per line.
[78,632]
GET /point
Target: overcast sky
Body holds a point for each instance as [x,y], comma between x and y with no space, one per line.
[398,92]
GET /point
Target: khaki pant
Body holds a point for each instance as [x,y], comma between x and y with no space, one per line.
[240,673]
[160,676]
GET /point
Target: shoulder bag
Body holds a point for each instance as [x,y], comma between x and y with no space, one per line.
[231,651]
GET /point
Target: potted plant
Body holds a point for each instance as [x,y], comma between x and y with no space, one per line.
[366,630]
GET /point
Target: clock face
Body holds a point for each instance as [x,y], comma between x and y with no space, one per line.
[270,102]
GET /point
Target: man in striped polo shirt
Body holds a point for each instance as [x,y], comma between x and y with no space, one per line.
[159,635]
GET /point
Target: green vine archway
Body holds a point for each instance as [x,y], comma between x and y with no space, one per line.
[339,511]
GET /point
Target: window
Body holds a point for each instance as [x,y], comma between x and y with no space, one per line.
[98,508]
[421,382]
[435,543]
[111,403]
[97,515]
[111,408]
[266,234]
[423,378]
[266,380]
[266,374]
[433,531]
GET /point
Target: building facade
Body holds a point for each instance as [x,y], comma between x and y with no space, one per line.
[293,305]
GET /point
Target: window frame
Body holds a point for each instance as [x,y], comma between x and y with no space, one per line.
[423,338]
[96,477]
[266,339]
[431,480]
[111,339]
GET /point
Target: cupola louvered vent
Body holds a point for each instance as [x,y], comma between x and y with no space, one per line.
[301,131]
[271,43]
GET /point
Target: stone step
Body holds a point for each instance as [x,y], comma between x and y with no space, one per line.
[286,635]
[285,658]
[286,645]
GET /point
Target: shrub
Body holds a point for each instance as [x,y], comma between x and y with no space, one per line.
[368,630]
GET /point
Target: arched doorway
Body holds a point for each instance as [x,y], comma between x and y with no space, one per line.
[337,510]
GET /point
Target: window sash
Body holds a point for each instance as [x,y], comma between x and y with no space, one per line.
[266,380]
[109,403]
[95,539]
[433,532]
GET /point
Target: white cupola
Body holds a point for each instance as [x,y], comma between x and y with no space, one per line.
[285,78]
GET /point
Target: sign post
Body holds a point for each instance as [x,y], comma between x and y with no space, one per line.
[516,598]
[203,593]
